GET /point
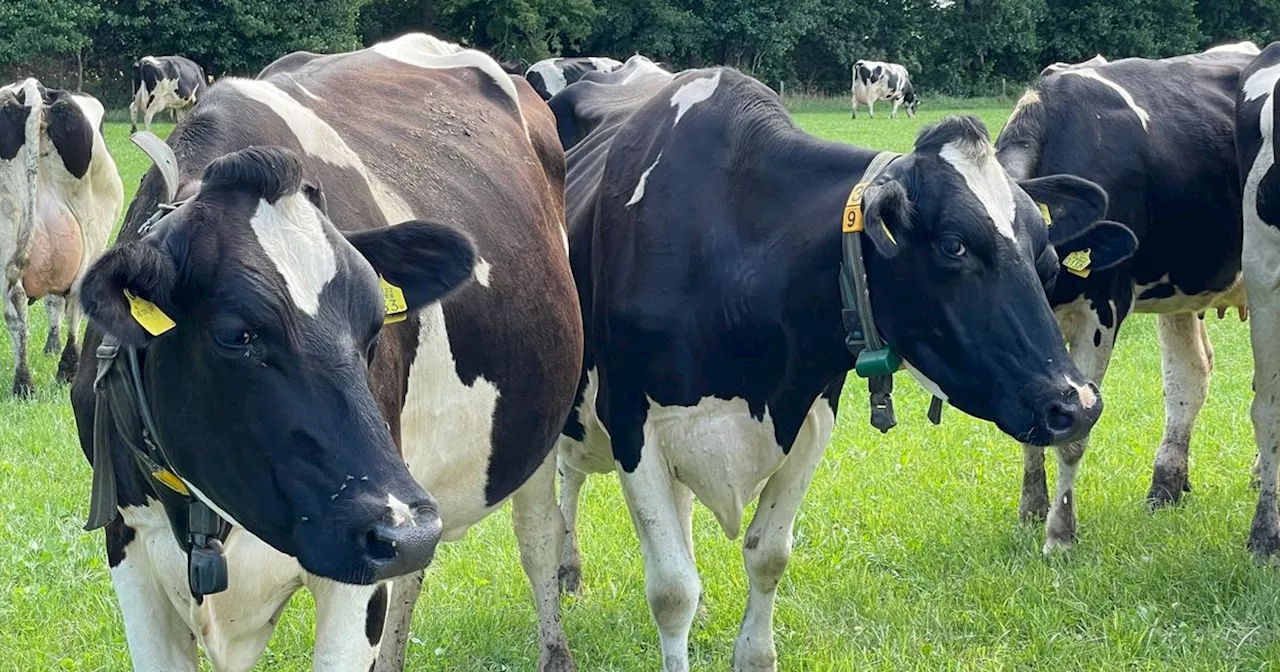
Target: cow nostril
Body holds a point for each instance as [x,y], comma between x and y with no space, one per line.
[1061,417]
[380,545]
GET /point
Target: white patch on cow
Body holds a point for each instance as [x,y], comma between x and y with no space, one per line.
[341,608]
[481,272]
[1177,302]
[446,428]
[640,66]
[1248,48]
[1090,73]
[1261,83]
[319,140]
[976,163]
[400,512]
[604,64]
[644,177]
[924,381]
[292,234]
[692,93]
[564,236]
[1087,396]
[425,51]
[553,79]
[1029,98]
[302,88]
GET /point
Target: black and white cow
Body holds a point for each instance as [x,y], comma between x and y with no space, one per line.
[628,86]
[1098,59]
[877,80]
[517,67]
[1256,117]
[281,400]
[1157,135]
[549,77]
[705,239]
[162,83]
[60,195]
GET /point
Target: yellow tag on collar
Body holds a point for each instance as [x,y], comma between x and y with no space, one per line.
[148,315]
[172,481]
[852,222]
[1077,263]
[396,307]
[1044,212]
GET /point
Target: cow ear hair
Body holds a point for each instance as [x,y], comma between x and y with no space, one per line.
[426,260]
[1073,204]
[886,210]
[125,280]
[1109,243]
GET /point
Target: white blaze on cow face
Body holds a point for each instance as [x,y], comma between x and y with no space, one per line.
[976,163]
[292,235]
[1090,73]
[644,177]
[693,93]
[1087,396]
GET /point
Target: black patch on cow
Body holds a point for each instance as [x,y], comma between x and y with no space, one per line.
[1163,291]
[1097,338]
[376,616]
[1269,196]
[13,121]
[893,81]
[71,133]
[119,536]
[263,172]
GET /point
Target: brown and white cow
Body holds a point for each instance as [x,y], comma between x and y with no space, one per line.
[60,194]
[337,450]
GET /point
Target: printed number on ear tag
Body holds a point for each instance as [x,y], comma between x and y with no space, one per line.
[149,315]
[1077,263]
[396,307]
[852,222]
[1044,212]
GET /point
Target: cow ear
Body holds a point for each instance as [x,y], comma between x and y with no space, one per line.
[126,293]
[1069,204]
[1097,248]
[886,212]
[425,260]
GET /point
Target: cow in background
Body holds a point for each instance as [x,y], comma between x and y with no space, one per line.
[162,83]
[549,77]
[60,195]
[877,80]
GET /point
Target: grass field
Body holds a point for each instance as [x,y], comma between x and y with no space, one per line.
[908,552]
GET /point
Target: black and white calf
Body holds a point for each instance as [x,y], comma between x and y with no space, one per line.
[60,194]
[339,450]
[549,77]
[877,80]
[1157,135]
[1256,117]
[164,83]
[705,238]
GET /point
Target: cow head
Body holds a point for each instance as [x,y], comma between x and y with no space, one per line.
[260,392]
[960,256]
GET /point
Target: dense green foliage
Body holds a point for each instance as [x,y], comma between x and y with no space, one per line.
[962,47]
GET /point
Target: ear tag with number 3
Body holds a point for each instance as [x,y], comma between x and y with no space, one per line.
[396,308]
[148,315]
[1077,263]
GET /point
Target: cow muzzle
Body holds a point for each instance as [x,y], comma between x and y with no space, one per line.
[403,541]
[1070,414]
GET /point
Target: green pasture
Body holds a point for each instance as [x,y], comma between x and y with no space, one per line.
[908,553]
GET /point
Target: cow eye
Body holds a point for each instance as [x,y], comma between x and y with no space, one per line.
[373,350]
[952,246]
[238,338]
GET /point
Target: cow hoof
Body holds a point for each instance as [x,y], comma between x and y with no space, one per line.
[763,659]
[570,577]
[1058,546]
[1166,491]
[52,345]
[1033,509]
[23,388]
[68,367]
[1264,543]
[556,658]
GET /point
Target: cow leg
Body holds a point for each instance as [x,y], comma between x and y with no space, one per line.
[1091,343]
[894,113]
[350,621]
[1261,262]
[871,108]
[395,633]
[855,108]
[571,481]
[767,548]
[133,115]
[54,307]
[540,531]
[158,637]
[1187,363]
[672,585]
[1034,503]
[70,360]
[15,317]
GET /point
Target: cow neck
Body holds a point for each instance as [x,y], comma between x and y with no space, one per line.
[875,360]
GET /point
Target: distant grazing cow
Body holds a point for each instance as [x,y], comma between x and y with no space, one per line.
[257,406]
[60,195]
[550,76]
[1257,117]
[1157,135]
[876,80]
[164,83]
[707,241]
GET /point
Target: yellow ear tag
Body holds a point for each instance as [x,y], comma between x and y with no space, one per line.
[852,222]
[396,307]
[149,315]
[1044,212]
[172,481]
[1077,263]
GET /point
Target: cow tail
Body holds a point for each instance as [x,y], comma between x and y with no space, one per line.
[31,172]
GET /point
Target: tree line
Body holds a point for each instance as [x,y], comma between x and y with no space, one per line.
[954,47]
